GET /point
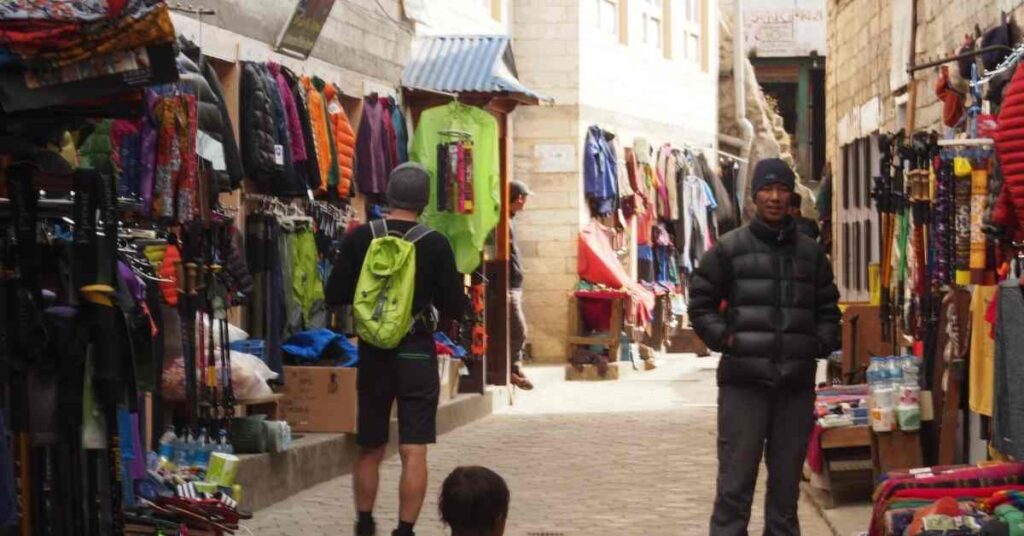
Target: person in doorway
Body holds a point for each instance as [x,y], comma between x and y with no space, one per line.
[764,296]
[804,225]
[518,193]
[474,502]
[407,373]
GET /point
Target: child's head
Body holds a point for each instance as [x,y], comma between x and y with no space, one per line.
[474,502]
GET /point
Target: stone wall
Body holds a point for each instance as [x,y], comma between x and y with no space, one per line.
[363,39]
[863,82]
[546,156]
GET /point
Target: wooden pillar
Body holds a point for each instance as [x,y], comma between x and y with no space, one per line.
[496,270]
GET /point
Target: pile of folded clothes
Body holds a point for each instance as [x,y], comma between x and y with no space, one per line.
[951,500]
[60,52]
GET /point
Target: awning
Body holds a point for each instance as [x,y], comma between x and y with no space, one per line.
[467,64]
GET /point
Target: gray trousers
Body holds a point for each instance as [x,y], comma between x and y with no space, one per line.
[516,324]
[756,421]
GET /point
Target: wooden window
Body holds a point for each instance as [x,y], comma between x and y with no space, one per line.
[652,14]
[847,257]
[693,24]
[855,177]
[866,167]
[847,175]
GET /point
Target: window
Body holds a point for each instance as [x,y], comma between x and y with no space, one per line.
[608,17]
[858,217]
[692,31]
[491,6]
[652,14]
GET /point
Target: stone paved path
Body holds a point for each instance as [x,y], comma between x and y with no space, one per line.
[633,457]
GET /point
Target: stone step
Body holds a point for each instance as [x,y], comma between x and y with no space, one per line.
[316,458]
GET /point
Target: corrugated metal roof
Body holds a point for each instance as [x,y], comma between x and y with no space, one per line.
[464,63]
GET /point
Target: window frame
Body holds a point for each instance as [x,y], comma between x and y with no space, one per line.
[694,25]
[649,10]
[616,26]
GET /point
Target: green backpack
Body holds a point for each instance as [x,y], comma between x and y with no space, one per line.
[382,305]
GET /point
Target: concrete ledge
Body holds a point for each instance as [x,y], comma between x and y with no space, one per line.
[316,458]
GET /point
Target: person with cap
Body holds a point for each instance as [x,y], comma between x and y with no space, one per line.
[803,225]
[518,193]
[765,297]
[407,373]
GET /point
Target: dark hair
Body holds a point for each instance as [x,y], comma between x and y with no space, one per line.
[795,200]
[474,500]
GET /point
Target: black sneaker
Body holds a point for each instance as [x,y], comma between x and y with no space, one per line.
[366,529]
[396,533]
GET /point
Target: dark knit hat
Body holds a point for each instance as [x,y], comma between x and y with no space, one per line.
[409,187]
[770,171]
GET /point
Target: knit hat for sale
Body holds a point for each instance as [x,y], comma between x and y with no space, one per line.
[409,187]
[770,171]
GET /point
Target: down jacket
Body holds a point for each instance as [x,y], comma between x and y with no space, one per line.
[766,299]
[213,114]
[1009,210]
[258,129]
[344,139]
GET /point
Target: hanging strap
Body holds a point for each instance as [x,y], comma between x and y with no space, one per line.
[379,228]
[416,233]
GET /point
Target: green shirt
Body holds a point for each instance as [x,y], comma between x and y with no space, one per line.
[466,232]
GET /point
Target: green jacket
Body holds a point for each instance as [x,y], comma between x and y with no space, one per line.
[466,232]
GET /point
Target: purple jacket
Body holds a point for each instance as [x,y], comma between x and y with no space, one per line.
[292,114]
[372,152]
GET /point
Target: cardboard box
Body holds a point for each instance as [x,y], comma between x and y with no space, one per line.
[320,399]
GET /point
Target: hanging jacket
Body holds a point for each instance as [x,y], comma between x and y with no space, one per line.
[600,183]
[258,129]
[373,157]
[321,132]
[96,149]
[389,128]
[169,273]
[309,170]
[296,141]
[127,139]
[290,184]
[780,311]
[466,232]
[725,211]
[344,139]
[401,131]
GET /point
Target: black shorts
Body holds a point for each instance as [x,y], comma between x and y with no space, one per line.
[407,373]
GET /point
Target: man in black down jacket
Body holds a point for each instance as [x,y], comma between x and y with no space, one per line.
[764,296]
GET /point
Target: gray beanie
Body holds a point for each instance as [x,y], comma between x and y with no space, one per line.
[409,187]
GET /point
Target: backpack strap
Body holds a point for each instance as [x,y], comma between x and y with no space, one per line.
[416,233]
[379,228]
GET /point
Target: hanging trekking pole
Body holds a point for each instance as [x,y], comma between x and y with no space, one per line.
[881,196]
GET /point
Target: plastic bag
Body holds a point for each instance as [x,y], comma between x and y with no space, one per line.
[249,376]
[235,333]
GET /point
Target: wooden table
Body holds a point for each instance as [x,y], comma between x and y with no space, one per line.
[847,464]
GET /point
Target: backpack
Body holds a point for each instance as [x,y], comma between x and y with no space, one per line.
[382,304]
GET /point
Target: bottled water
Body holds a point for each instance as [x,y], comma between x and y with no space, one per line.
[182,450]
[223,445]
[203,449]
[166,446]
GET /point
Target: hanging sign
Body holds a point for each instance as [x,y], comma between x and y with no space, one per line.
[303,27]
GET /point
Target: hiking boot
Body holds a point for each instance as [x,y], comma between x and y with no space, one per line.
[366,529]
[521,381]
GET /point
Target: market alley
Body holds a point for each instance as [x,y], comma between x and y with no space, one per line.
[631,457]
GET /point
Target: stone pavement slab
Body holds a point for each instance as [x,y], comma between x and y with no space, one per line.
[633,457]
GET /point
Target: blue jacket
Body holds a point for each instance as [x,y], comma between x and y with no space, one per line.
[600,172]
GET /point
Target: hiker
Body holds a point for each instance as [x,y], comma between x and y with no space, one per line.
[764,296]
[396,361]
[518,193]
[474,502]
[804,225]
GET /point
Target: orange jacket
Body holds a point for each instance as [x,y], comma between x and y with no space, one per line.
[344,138]
[318,121]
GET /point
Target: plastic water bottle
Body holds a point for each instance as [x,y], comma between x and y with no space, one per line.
[182,450]
[203,449]
[223,445]
[166,446]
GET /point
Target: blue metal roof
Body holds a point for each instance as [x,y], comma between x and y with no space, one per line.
[465,63]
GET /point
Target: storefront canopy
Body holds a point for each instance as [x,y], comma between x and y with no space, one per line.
[481,64]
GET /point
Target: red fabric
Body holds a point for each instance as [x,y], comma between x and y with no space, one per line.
[597,263]
[169,271]
[596,314]
[952,492]
[946,506]
[952,100]
[814,456]
[1009,146]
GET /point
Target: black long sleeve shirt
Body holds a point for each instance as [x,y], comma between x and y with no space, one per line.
[438,282]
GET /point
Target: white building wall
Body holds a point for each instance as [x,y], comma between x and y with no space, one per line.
[461,17]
